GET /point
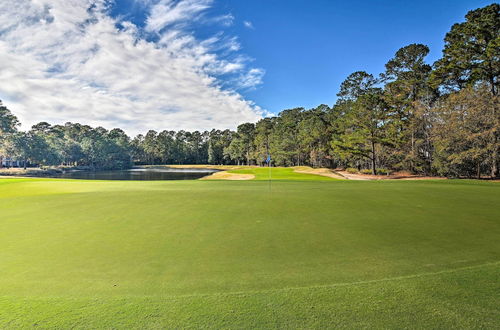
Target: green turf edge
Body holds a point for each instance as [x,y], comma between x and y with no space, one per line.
[464,299]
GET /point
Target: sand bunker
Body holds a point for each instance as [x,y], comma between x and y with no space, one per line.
[228,176]
[318,171]
[395,176]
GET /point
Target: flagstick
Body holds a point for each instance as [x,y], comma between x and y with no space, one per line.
[269,165]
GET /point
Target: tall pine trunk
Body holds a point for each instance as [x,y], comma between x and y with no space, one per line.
[374,165]
[494,156]
[412,159]
[494,160]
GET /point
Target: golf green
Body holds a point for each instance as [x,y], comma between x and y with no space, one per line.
[218,254]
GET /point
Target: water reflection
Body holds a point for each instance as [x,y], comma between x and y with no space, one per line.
[164,173]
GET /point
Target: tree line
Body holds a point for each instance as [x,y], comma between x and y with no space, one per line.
[439,119]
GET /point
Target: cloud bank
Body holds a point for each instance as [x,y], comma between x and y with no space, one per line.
[70,60]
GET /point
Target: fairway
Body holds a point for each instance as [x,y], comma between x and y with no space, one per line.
[305,252]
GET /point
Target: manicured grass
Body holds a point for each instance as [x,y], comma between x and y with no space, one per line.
[280,173]
[305,254]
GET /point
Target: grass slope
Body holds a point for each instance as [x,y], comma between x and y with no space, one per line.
[279,174]
[318,254]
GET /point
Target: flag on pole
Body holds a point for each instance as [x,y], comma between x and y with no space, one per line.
[268,161]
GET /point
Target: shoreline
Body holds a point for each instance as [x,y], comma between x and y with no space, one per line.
[224,174]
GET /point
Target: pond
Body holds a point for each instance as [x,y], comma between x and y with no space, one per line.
[164,173]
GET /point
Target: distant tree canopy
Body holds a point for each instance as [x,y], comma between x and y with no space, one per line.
[430,119]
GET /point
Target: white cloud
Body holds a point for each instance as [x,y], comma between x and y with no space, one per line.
[251,79]
[65,60]
[226,20]
[168,12]
[248,24]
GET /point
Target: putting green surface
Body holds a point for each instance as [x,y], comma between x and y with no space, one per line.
[301,254]
[279,174]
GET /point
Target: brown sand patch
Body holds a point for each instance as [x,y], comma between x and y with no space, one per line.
[415,177]
[394,176]
[228,176]
[350,176]
[317,171]
[19,172]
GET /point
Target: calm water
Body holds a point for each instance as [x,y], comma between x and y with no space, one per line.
[140,174]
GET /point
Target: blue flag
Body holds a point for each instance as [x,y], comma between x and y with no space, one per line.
[268,159]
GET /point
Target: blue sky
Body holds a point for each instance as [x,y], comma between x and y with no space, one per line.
[308,47]
[199,64]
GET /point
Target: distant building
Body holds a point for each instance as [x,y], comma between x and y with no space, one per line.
[11,162]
